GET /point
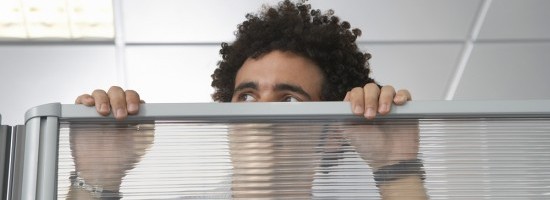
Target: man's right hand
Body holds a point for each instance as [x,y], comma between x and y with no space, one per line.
[121,103]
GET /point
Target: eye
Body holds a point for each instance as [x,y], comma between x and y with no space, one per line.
[247,98]
[291,99]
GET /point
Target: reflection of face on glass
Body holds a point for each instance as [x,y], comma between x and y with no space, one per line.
[271,159]
[274,159]
[280,160]
[103,154]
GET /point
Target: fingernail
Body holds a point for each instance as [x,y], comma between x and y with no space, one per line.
[384,108]
[119,112]
[370,113]
[132,107]
[358,110]
[104,108]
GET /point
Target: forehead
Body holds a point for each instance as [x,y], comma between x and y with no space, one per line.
[277,66]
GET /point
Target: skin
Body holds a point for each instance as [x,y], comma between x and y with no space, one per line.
[274,77]
[287,77]
[278,77]
[103,156]
[386,144]
[264,160]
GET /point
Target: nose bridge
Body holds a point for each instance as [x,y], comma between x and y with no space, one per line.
[268,95]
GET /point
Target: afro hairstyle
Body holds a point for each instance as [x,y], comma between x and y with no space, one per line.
[296,28]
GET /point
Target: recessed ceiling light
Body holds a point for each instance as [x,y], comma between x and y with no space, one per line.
[57,19]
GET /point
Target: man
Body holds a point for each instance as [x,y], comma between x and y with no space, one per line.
[289,53]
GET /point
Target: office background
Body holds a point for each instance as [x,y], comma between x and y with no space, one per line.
[167,50]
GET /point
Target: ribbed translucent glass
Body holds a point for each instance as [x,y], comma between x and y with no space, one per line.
[466,158]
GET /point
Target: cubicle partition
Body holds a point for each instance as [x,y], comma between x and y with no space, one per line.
[315,150]
[5,132]
[10,148]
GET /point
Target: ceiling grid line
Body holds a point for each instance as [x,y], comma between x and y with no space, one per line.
[24,17]
[467,50]
[120,44]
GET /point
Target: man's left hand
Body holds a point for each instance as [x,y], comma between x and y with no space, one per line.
[371,99]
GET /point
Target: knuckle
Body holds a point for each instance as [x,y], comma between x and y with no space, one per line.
[371,84]
[356,92]
[98,91]
[372,87]
[78,100]
[115,88]
[388,88]
[81,99]
[356,89]
[402,91]
[131,93]
[403,95]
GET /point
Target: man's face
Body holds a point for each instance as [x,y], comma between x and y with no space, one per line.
[276,77]
[266,157]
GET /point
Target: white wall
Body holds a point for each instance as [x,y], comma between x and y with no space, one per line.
[438,49]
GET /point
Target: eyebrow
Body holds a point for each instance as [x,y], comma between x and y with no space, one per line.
[246,85]
[278,87]
[292,88]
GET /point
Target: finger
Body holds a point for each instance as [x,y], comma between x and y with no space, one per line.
[347,96]
[385,100]
[102,104]
[356,99]
[371,94]
[85,99]
[402,97]
[117,97]
[132,102]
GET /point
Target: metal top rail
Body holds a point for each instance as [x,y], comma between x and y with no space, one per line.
[309,110]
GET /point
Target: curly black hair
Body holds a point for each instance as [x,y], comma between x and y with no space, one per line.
[295,27]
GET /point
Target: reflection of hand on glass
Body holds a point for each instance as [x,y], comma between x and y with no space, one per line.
[272,161]
[102,157]
[391,149]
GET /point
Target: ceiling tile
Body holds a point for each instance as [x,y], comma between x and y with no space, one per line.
[507,71]
[212,20]
[168,21]
[513,19]
[382,20]
[424,69]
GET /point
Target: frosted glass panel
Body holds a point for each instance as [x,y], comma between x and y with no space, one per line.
[466,158]
[4,160]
